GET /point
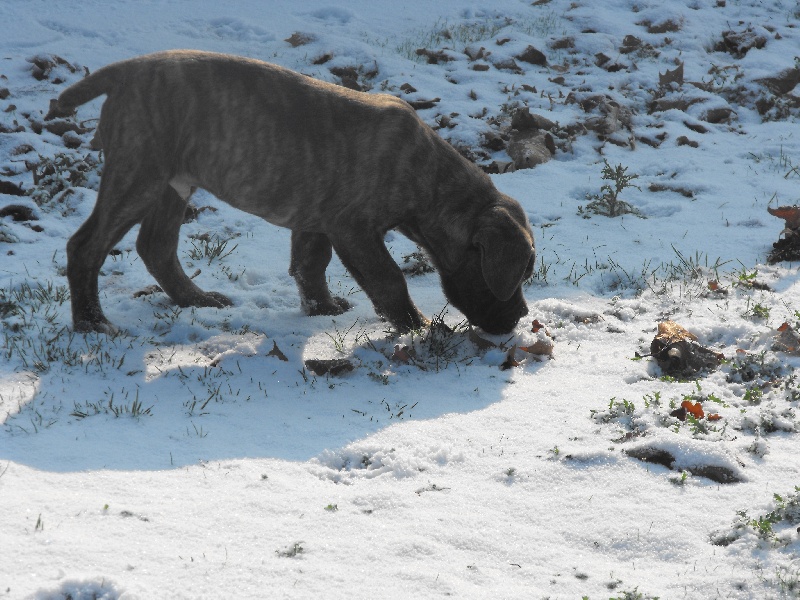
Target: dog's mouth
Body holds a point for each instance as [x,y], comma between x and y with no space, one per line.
[501,319]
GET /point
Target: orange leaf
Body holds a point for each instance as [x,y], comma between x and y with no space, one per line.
[783,211]
[401,354]
[693,409]
[713,285]
[784,327]
[510,360]
[790,214]
[536,326]
[714,417]
[539,347]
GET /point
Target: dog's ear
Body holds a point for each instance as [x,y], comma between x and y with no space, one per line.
[506,251]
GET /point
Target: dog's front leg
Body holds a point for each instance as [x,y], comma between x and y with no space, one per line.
[368,261]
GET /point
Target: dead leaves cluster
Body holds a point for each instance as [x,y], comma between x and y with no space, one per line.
[787,340]
[787,248]
[679,353]
[444,338]
[694,409]
[543,346]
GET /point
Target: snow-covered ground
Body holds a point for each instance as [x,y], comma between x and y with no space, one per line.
[185,458]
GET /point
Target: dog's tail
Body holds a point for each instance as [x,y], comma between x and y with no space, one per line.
[90,87]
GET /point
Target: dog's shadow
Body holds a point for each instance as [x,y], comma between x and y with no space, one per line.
[139,405]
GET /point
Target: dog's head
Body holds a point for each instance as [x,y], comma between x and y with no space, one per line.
[487,285]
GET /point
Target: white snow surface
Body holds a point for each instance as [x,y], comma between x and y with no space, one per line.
[180,460]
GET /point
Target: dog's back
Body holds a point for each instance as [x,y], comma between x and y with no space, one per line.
[213,121]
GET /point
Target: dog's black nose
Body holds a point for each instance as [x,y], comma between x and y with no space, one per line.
[503,320]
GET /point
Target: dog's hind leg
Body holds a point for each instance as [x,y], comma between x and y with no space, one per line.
[157,244]
[311,253]
[121,203]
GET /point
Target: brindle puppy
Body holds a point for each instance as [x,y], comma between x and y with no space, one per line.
[339,168]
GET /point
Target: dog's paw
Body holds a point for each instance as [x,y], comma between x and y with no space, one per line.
[336,306]
[214,300]
[343,304]
[410,321]
[103,326]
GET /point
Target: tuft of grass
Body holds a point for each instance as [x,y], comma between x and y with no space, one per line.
[681,479]
[547,24]
[756,311]
[210,247]
[438,344]
[618,410]
[34,297]
[756,369]
[6,236]
[685,276]
[397,411]
[776,527]
[33,332]
[339,338]
[54,177]
[417,263]
[540,273]
[782,163]
[434,347]
[608,202]
[381,378]
[634,594]
[453,35]
[131,407]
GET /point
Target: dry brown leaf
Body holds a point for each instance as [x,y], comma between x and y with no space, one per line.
[150,289]
[402,354]
[539,347]
[674,76]
[678,352]
[679,413]
[276,352]
[790,214]
[335,366]
[787,340]
[299,39]
[670,332]
[424,104]
[510,360]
